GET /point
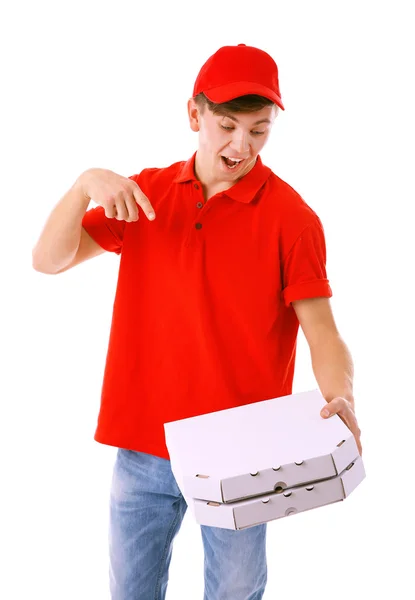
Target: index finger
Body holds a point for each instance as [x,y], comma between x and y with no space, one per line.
[144,202]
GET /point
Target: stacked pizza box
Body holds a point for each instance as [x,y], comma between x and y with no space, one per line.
[252,464]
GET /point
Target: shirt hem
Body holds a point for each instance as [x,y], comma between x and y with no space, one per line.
[127,444]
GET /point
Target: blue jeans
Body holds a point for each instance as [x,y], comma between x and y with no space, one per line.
[146,512]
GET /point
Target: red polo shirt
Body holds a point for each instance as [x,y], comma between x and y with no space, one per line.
[202,319]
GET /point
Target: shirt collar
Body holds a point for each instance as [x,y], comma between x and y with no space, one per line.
[243,190]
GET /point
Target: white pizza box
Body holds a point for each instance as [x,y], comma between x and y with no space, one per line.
[247,513]
[258,448]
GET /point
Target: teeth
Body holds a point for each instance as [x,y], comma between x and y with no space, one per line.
[234,159]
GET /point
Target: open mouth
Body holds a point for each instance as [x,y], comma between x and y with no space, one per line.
[232,165]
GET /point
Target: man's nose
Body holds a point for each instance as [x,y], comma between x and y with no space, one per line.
[240,143]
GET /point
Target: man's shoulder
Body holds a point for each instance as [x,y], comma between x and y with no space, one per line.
[284,188]
[289,199]
[159,174]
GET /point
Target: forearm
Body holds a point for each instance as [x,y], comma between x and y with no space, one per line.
[333,368]
[59,240]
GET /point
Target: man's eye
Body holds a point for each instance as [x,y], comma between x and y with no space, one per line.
[232,128]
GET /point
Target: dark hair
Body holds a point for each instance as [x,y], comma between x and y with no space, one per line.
[246,104]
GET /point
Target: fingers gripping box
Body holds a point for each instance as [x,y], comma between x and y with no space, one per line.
[262,448]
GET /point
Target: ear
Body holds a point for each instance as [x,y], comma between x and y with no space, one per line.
[194,115]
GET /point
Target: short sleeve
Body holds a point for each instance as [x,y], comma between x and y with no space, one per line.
[108,233]
[304,269]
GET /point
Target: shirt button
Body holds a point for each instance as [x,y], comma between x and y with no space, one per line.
[198,225]
[196,186]
[199,205]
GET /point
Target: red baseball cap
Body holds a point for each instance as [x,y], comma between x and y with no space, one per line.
[235,71]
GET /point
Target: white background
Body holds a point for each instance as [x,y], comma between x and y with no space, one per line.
[106,84]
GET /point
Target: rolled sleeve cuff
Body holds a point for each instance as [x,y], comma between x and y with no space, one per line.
[307,289]
[96,225]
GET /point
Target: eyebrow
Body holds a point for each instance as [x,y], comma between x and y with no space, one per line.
[256,122]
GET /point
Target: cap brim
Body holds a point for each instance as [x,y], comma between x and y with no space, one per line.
[227,92]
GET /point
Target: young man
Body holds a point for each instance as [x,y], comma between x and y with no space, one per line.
[209,299]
